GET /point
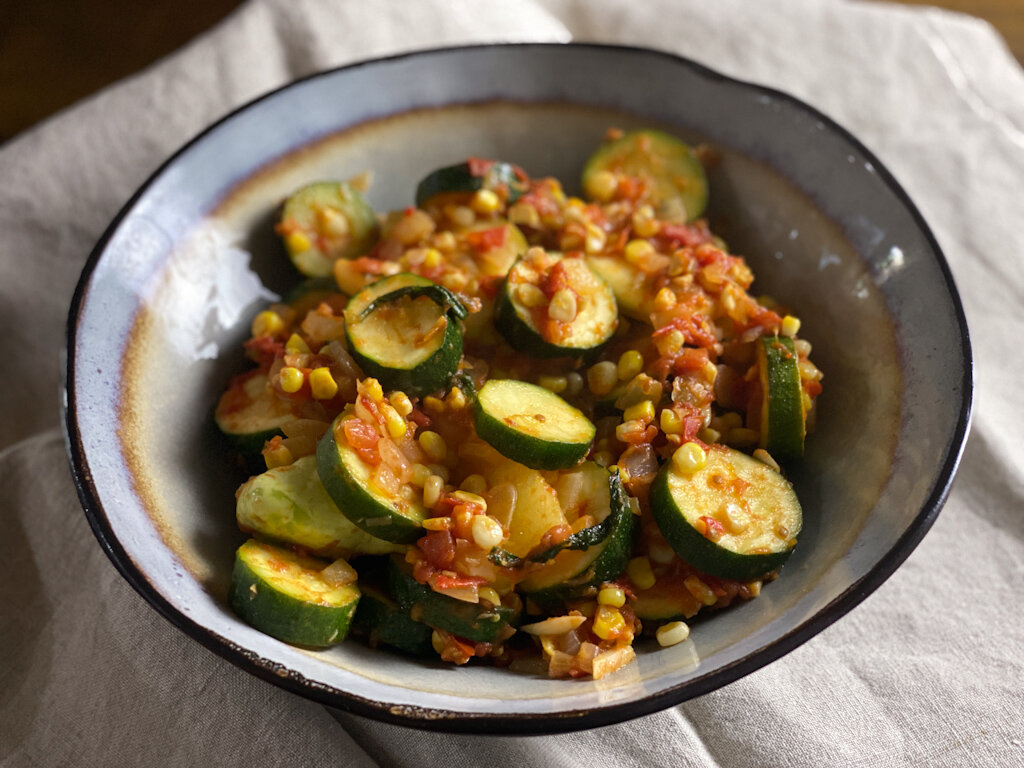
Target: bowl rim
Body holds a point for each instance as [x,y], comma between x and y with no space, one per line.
[515,723]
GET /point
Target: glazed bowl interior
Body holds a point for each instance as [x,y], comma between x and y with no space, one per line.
[167,296]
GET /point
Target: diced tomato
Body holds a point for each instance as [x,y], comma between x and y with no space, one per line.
[438,548]
[264,350]
[555,280]
[441,580]
[363,438]
[714,530]
[690,359]
[478,166]
[694,329]
[484,240]
[685,234]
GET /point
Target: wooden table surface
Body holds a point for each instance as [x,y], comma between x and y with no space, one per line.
[54,53]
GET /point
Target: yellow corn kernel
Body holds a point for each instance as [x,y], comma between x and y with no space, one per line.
[556,384]
[393,420]
[297,242]
[267,323]
[485,201]
[644,223]
[490,594]
[808,403]
[809,371]
[701,591]
[672,633]
[630,364]
[766,458]
[456,399]
[602,377]
[595,240]
[332,222]
[790,326]
[690,458]
[709,435]
[291,379]
[401,403]
[525,214]
[474,484]
[437,523]
[670,422]
[603,185]
[278,457]
[487,532]
[642,412]
[432,490]
[530,296]
[296,345]
[434,404]
[373,390]
[573,384]
[670,343]
[637,250]
[420,474]
[612,596]
[432,258]
[608,622]
[664,299]
[466,497]
[640,573]
[802,347]
[437,641]
[433,445]
[322,384]
[563,306]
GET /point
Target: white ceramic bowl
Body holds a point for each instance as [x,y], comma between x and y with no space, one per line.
[166,297]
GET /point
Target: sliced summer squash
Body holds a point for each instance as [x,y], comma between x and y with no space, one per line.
[736,518]
[677,184]
[628,283]
[348,481]
[383,622]
[249,413]
[290,596]
[466,178]
[531,425]
[471,621]
[289,504]
[782,411]
[323,222]
[406,332]
[532,327]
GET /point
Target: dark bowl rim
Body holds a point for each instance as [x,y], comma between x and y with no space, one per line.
[521,723]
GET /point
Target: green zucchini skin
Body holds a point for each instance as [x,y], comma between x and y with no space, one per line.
[513,321]
[467,620]
[289,504]
[259,596]
[415,377]
[492,419]
[768,496]
[382,622]
[302,212]
[575,572]
[679,185]
[598,485]
[249,414]
[345,477]
[462,179]
[782,416]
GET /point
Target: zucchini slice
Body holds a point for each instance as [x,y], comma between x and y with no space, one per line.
[531,425]
[471,621]
[749,511]
[665,601]
[249,413]
[287,596]
[406,331]
[584,490]
[323,222]
[578,318]
[676,183]
[506,179]
[573,572]
[630,285]
[348,481]
[782,410]
[381,621]
[289,504]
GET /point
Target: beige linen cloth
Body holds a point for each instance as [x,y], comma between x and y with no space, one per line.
[927,671]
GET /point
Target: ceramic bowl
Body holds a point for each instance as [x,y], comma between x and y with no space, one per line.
[166,298]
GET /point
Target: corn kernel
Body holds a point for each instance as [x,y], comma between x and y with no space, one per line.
[673,633]
[670,422]
[563,306]
[485,201]
[267,323]
[603,185]
[573,384]
[434,404]
[690,458]
[644,223]
[709,435]
[401,403]
[790,326]
[437,523]
[670,343]
[437,641]
[809,370]
[466,497]
[530,296]
[525,214]
[608,622]
[291,379]
[637,250]
[595,240]
[432,258]
[322,384]
[456,399]
[296,345]
[332,222]
[420,474]
[630,364]
[802,347]
[487,532]
[612,596]
[735,518]
[602,377]
[278,457]
[806,401]
[433,445]
[373,390]
[490,594]
[664,299]
[297,242]
[474,484]
[556,384]
[642,412]
[393,420]
[432,490]
[766,458]
[701,591]
[640,573]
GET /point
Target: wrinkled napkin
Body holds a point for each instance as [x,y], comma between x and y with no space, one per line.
[927,671]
